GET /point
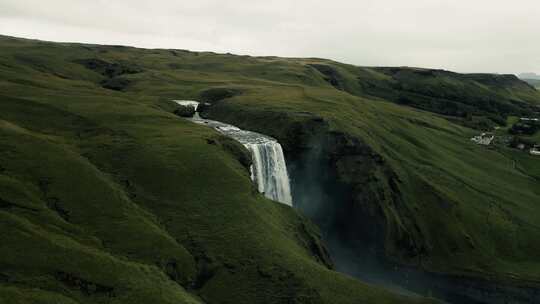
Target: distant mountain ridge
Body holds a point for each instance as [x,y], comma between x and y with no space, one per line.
[531,78]
[527,76]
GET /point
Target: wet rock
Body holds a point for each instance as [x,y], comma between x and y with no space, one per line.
[203,108]
[185,111]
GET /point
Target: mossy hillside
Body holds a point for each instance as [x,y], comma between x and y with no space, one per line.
[47,238]
[467,193]
[439,91]
[471,206]
[448,184]
[107,198]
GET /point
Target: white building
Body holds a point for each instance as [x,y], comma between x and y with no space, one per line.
[483,139]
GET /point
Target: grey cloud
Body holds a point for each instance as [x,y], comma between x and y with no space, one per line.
[461,35]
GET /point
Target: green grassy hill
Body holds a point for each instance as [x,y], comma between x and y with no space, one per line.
[446,204]
[107,197]
[474,100]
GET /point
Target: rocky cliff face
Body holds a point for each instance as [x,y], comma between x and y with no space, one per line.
[338,181]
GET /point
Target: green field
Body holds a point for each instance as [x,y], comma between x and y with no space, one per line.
[107,197]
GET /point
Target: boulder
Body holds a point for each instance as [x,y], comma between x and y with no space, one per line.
[185,111]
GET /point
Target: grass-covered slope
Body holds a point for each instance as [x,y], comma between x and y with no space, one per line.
[106,191]
[462,208]
[461,96]
[107,197]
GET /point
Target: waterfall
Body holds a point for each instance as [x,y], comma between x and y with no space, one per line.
[268,169]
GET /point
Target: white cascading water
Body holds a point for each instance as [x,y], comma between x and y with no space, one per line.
[268,170]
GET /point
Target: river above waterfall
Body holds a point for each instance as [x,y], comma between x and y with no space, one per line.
[268,169]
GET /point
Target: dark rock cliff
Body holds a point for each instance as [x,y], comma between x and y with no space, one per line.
[337,181]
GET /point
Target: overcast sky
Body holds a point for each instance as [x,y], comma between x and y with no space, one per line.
[462,35]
